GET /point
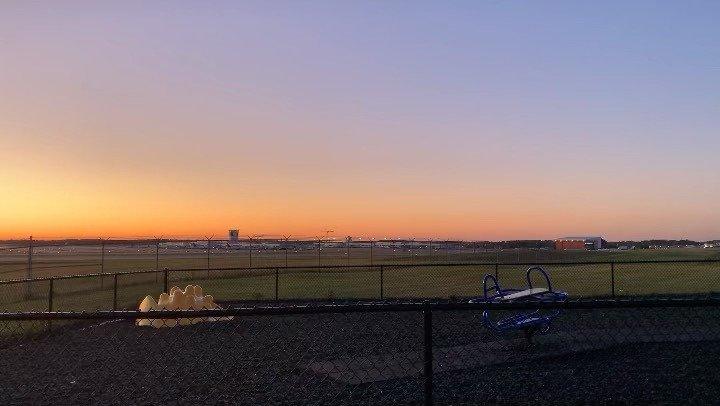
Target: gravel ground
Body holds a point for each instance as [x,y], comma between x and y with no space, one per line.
[647,373]
[611,355]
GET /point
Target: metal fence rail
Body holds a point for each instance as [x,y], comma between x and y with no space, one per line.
[589,279]
[396,353]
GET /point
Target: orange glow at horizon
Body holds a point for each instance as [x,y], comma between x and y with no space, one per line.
[53,200]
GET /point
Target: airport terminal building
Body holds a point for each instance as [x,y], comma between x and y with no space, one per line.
[579,243]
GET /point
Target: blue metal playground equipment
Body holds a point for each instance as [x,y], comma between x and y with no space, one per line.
[529,322]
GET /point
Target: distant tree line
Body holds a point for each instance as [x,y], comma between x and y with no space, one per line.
[654,243]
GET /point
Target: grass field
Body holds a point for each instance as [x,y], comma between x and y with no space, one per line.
[310,282]
[78,260]
[398,281]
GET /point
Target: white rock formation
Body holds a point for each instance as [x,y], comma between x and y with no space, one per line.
[189,299]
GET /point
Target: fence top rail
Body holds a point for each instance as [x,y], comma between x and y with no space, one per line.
[85,275]
[361,308]
[377,265]
[447,264]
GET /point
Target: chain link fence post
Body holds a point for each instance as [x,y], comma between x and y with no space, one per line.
[318,251]
[208,258]
[382,282]
[165,280]
[428,354]
[347,247]
[277,277]
[28,271]
[250,241]
[372,244]
[612,278]
[102,255]
[157,254]
[50,303]
[50,295]
[115,289]
[102,263]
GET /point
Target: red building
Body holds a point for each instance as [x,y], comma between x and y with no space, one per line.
[579,243]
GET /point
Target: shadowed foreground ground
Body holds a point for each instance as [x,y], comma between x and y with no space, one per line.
[619,355]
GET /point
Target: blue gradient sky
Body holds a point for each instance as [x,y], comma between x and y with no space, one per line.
[487,120]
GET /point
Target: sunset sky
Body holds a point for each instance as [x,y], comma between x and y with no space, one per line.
[471,120]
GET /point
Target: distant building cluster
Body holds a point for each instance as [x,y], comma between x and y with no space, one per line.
[585,243]
[579,243]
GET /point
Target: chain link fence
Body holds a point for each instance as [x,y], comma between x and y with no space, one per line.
[453,281]
[410,353]
[32,258]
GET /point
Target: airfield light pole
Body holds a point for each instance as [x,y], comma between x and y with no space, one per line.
[327,234]
[30,254]
[287,243]
[157,257]
[208,255]
[318,249]
[347,246]
[372,243]
[157,254]
[28,274]
[102,255]
[252,238]
[102,262]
